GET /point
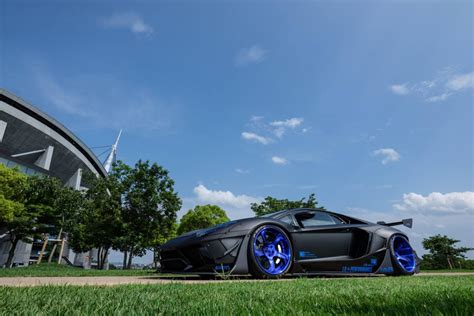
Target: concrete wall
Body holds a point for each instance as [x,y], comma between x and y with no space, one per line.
[22,253]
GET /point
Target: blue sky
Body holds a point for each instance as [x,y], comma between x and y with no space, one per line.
[370,106]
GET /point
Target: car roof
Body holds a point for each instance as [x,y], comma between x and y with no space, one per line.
[294,210]
[282,213]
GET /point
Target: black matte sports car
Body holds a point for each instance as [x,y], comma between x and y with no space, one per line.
[293,242]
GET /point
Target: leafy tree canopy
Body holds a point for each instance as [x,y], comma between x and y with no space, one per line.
[442,252]
[271,204]
[202,217]
[13,186]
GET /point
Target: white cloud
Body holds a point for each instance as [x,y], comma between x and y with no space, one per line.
[279,132]
[445,84]
[437,203]
[242,171]
[256,118]
[400,89]
[260,129]
[251,55]
[437,98]
[128,20]
[254,137]
[459,82]
[290,123]
[224,198]
[388,154]
[281,126]
[279,160]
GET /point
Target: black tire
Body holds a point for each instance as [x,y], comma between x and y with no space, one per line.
[255,269]
[399,267]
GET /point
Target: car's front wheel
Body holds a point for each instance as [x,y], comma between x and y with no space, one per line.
[403,256]
[271,252]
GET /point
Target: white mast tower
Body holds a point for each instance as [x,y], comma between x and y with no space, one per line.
[113,155]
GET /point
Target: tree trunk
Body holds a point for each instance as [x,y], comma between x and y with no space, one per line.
[98,257]
[105,251]
[100,262]
[124,265]
[11,253]
[130,256]
[156,257]
[450,264]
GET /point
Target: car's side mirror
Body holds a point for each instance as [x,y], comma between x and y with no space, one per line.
[296,227]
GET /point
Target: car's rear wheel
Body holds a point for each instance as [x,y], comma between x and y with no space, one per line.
[403,256]
[271,252]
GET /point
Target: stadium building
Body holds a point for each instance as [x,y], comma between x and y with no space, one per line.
[38,144]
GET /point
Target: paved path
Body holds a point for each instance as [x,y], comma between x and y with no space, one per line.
[116,280]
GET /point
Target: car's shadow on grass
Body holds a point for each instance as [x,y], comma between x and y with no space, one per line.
[211,278]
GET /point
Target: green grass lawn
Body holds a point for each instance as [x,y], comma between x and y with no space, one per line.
[429,295]
[51,270]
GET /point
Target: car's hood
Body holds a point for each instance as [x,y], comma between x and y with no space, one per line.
[206,232]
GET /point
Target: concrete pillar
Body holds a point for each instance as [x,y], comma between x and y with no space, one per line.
[44,161]
[3,127]
[75,181]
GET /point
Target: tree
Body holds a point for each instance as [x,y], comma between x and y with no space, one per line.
[29,221]
[202,217]
[149,207]
[271,204]
[13,186]
[95,221]
[443,252]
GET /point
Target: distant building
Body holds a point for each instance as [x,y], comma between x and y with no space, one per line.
[38,144]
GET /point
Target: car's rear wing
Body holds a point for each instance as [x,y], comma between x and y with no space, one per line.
[408,222]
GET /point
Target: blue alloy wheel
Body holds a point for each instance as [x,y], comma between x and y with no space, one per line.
[404,254]
[272,250]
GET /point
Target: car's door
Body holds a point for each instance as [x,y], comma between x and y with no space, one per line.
[321,235]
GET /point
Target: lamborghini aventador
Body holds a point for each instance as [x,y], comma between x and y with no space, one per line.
[293,242]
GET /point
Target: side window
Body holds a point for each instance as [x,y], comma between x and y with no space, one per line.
[287,219]
[310,219]
[338,220]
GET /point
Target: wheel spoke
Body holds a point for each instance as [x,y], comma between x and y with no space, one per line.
[272,264]
[282,255]
[278,239]
[400,258]
[259,253]
[404,248]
